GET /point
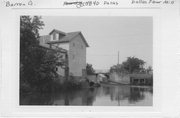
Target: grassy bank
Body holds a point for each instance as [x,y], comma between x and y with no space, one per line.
[56,85]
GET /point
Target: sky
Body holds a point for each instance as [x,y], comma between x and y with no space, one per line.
[106,35]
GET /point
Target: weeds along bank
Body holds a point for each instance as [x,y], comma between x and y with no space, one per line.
[56,85]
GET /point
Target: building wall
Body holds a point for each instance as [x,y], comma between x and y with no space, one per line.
[76,53]
[43,40]
[64,46]
[77,56]
[60,70]
[121,78]
[60,45]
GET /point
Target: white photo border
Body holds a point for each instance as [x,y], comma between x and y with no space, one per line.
[10,63]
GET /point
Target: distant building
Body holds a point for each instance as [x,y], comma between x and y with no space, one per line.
[133,79]
[75,45]
[141,79]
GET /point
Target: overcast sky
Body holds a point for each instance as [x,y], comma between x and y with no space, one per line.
[131,36]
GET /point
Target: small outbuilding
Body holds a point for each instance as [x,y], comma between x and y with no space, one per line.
[141,79]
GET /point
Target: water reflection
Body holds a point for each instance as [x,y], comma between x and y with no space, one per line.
[106,95]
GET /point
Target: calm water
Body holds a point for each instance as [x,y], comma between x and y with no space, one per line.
[106,95]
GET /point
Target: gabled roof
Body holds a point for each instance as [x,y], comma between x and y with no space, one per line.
[58,31]
[68,37]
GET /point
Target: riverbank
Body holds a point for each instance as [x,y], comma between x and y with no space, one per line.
[55,85]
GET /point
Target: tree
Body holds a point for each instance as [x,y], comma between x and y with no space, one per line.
[29,35]
[37,64]
[89,69]
[133,64]
[119,68]
[149,69]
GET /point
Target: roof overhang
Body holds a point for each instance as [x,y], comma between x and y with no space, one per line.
[59,50]
[53,42]
[87,45]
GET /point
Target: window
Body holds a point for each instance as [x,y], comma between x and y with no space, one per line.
[57,36]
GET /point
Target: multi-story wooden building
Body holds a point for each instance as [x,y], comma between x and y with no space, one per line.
[75,45]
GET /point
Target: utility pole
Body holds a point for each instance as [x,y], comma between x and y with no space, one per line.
[118,57]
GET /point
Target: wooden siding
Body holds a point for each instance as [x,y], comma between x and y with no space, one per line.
[77,56]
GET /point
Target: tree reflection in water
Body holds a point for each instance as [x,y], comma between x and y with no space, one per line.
[136,94]
[89,96]
[104,95]
[36,99]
